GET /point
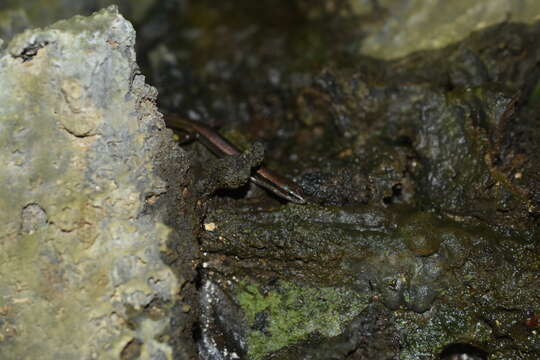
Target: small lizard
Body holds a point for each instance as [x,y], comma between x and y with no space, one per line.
[277,184]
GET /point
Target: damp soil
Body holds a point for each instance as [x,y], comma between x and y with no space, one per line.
[420,239]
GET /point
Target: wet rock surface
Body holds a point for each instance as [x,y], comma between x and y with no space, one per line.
[421,175]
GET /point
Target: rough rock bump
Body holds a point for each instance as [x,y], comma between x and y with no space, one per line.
[80,259]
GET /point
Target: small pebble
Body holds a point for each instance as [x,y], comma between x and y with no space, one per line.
[210,226]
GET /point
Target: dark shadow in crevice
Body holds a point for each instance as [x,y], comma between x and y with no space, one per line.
[463,351]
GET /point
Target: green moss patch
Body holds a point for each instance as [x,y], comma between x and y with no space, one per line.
[288,313]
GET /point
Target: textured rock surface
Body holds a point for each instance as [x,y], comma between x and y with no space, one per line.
[424,172]
[413,25]
[81,274]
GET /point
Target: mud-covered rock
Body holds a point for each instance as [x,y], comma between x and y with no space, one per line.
[421,172]
[463,140]
[442,297]
[422,180]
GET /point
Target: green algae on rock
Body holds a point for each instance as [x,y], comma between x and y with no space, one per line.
[288,313]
